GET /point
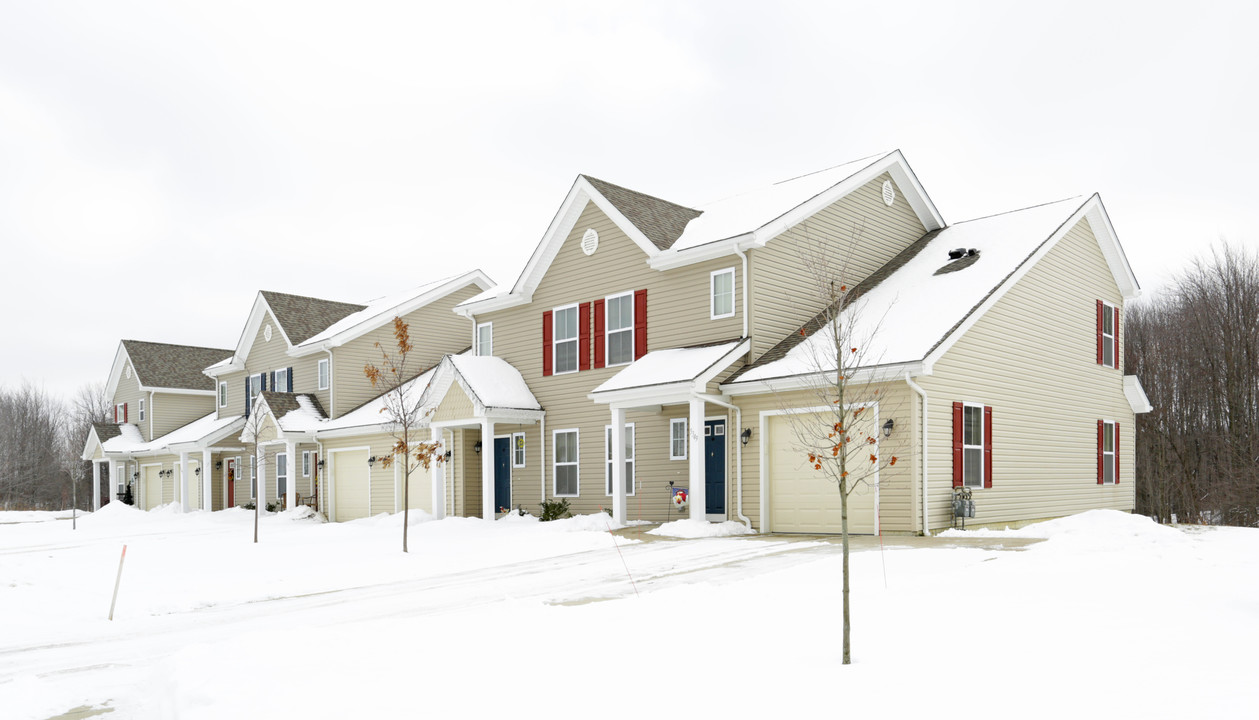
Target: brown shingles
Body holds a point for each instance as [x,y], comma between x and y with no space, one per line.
[106,431]
[660,220]
[159,365]
[282,404]
[305,317]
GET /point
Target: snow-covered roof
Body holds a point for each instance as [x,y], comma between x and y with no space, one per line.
[666,367]
[492,382]
[909,313]
[372,412]
[128,440]
[207,429]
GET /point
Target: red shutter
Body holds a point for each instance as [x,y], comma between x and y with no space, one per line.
[987,446]
[124,411]
[583,337]
[640,323]
[1100,308]
[1116,453]
[1101,437]
[115,414]
[957,444]
[600,330]
[1116,355]
[546,343]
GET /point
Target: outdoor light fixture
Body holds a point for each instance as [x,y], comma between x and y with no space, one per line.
[371,461]
[477,447]
[746,435]
[320,464]
[198,472]
[887,427]
[135,475]
[447,456]
[218,465]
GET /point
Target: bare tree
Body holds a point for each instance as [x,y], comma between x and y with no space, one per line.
[404,401]
[251,434]
[32,445]
[841,443]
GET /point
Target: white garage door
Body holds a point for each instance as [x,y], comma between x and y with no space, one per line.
[194,485]
[421,491]
[152,486]
[804,500]
[349,478]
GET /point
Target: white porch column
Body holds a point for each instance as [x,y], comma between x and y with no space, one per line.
[487,469]
[182,488]
[207,481]
[695,459]
[439,472]
[96,485]
[618,464]
[261,474]
[290,489]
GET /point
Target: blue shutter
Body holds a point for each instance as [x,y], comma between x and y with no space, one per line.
[248,384]
[290,377]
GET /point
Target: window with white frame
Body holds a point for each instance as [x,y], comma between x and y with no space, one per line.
[619,328]
[1108,453]
[305,463]
[222,394]
[1108,335]
[629,457]
[253,477]
[485,339]
[323,374]
[565,320]
[282,381]
[677,439]
[567,473]
[120,413]
[141,409]
[255,387]
[518,450]
[281,474]
[973,445]
[722,293]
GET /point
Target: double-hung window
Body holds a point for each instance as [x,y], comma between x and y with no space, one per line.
[282,381]
[721,284]
[281,474]
[565,339]
[1107,335]
[305,463]
[141,409]
[677,439]
[222,394]
[255,387]
[567,473]
[972,445]
[629,458]
[323,374]
[620,329]
[485,339]
[120,413]
[518,450]
[1107,452]
[253,477]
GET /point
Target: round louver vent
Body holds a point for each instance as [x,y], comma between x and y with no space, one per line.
[128,372]
[889,193]
[590,241]
[266,333]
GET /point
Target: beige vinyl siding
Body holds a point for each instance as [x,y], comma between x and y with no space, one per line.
[456,405]
[1032,358]
[898,484]
[857,234]
[677,316]
[435,331]
[128,391]
[172,411]
[235,394]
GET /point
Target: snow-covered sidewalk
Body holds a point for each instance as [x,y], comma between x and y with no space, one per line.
[490,618]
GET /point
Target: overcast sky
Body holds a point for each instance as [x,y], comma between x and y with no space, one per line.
[161,163]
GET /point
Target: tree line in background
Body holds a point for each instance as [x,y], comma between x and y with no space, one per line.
[1195,349]
[41,439]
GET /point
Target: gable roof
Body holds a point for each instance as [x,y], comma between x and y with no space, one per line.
[913,310]
[293,412]
[97,435]
[302,317]
[660,220]
[673,235]
[162,366]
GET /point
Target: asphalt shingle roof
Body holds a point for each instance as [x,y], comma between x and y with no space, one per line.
[282,404]
[106,430]
[304,317]
[660,220]
[159,365]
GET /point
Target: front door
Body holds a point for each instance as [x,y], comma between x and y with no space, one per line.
[231,483]
[715,467]
[502,473]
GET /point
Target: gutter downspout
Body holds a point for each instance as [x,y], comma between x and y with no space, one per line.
[332,392]
[744,256]
[542,458]
[926,532]
[738,473]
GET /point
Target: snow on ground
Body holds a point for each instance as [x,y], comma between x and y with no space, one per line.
[1110,616]
[690,528]
[34,516]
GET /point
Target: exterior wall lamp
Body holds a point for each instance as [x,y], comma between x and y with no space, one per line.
[218,465]
[371,462]
[887,427]
[320,464]
[447,456]
[477,447]
[198,472]
[745,436]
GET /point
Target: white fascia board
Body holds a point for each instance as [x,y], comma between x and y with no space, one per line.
[178,391]
[90,445]
[1135,394]
[373,429]
[386,315]
[212,438]
[499,302]
[664,394]
[877,374]
[1010,281]
[1108,241]
[892,163]
[701,381]
[121,358]
[701,253]
[214,371]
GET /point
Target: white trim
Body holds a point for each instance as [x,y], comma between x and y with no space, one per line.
[476,350]
[222,394]
[305,463]
[523,450]
[576,463]
[141,408]
[330,478]
[323,373]
[672,422]
[875,374]
[712,293]
[555,341]
[1137,399]
[275,380]
[1108,340]
[631,458]
[511,455]
[607,331]
[981,446]
[1114,453]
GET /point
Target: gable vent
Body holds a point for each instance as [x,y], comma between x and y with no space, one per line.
[590,241]
[889,193]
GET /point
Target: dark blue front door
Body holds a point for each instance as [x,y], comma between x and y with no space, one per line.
[715,467]
[502,473]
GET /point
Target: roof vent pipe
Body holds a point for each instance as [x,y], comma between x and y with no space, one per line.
[972,251]
[955,254]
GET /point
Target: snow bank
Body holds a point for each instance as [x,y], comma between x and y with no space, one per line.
[1104,528]
[690,528]
[36,516]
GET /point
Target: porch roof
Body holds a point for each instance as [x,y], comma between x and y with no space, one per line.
[669,371]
